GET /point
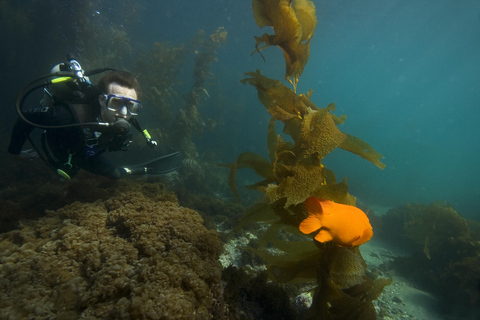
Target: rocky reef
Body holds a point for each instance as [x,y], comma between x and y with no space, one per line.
[443,253]
[127,257]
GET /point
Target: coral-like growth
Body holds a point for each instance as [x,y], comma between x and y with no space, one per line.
[126,257]
[29,190]
[294,25]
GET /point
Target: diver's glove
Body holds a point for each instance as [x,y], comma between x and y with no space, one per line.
[150,142]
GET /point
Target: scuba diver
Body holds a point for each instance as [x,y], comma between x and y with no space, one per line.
[81,121]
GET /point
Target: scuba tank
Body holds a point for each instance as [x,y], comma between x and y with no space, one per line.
[67,82]
[66,88]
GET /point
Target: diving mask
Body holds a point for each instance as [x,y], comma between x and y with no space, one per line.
[116,103]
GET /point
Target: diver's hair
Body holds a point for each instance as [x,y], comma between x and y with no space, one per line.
[123,78]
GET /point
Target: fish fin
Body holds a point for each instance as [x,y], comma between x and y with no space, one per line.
[310,224]
[367,235]
[313,205]
[323,236]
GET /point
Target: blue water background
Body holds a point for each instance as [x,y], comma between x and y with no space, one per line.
[406,74]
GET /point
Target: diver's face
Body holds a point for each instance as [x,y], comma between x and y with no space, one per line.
[109,115]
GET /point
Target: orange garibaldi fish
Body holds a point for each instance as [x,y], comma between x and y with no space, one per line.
[345,225]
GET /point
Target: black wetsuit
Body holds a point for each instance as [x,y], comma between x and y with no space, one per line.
[70,149]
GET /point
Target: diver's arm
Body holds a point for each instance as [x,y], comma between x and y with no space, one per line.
[151,143]
[21,131]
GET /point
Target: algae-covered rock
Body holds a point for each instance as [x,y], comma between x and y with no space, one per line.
[443,252]
[128,257]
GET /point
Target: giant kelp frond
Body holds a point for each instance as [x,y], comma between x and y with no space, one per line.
[335,192]
[297,183]
[362,149]
[189,121]
[313,129]
[251,160]
[261,211]
[294,25]
[271,139]
[293,266]
[318,134]
[273,95]
[295,171]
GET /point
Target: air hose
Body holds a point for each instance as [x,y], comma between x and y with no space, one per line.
[60,76]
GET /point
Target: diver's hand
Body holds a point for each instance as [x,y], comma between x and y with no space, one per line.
[28,154]
[152,143]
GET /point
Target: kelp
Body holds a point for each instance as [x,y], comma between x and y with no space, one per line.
[294,171]
[312,128]
[362,149]
[189,122]
[343,290]
[158,73]
[297,171]
[272,94]
[294,25]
